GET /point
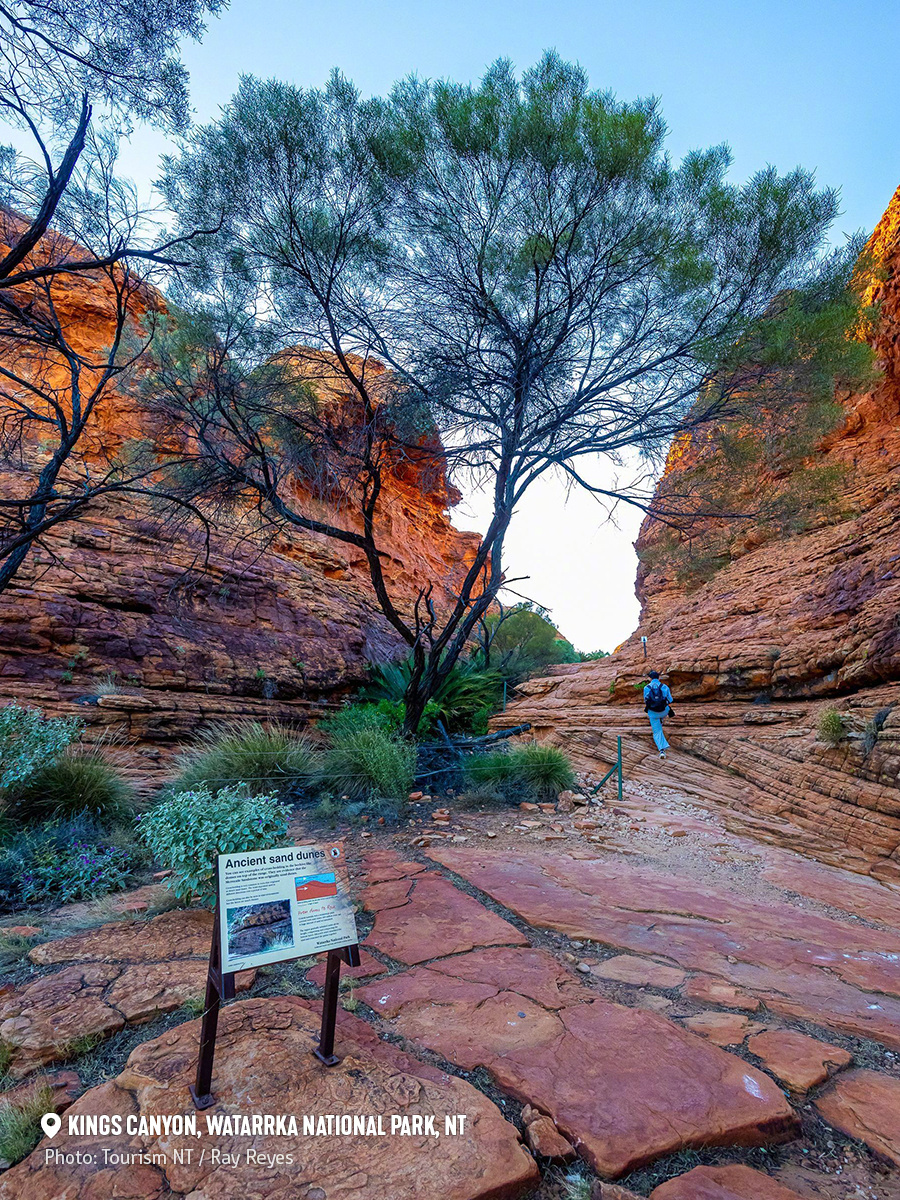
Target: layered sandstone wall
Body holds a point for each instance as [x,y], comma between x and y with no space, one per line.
[247,626]
[784,628]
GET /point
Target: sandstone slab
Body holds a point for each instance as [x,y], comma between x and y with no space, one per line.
[866,1105]
[122,973]
[264,1064]
[723,1028]
[438,919]
[368,966]
[546,1141]
[708,990]
[799,1061]
[734,1182]
[623,1085]
[64,1088]
[628,968]
[840,974]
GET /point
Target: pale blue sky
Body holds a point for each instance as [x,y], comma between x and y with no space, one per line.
[786,82]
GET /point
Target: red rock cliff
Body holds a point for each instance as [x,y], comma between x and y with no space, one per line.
[774,627]
[262,629]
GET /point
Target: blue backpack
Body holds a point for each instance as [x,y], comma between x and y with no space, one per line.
[656,701]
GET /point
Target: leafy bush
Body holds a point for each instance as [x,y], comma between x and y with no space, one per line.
[189,829]
[367,763]
[536,768]
[831,727]
[465,692]
[263,760]
[30,741]
[61,861]
[78,781]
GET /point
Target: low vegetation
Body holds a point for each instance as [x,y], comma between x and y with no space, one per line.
[20,1124]
[536,769]
[187,831]
[80,780]
[832,729]
[61,861]
[368,763]
[263,760]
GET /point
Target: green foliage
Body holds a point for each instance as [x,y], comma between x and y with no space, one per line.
[367,763]
[59,862]
[523,640]
[20,1124]
[30,741]
[831,727]
[592,655]
[537,768]
[261,759]
[389,715]
[466,692]
[79,781]
[187,831]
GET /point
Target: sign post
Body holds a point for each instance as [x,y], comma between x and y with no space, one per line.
[273,906]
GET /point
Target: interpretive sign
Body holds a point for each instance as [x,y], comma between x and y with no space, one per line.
[274,905]
[281,904]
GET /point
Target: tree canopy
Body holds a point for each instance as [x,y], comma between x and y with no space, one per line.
[541,279]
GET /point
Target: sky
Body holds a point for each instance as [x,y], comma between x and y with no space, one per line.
[783,82]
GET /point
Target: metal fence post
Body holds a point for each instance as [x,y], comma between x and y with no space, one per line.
[619,763]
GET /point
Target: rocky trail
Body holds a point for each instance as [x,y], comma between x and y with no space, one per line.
[630,990]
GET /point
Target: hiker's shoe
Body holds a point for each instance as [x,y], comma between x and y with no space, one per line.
[662,754]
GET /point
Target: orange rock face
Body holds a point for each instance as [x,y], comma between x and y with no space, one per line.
[768,636]
[264,628]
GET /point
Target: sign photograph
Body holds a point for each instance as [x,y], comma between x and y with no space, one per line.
[281,904]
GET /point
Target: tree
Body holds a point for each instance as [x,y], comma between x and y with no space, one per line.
[66,217]
[520,640]
[540,279]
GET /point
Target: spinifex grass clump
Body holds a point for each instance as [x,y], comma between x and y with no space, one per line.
[188,830]
[262,759]
[78,781]
[536,769]
[365,764]
[831,727]
[20,1124]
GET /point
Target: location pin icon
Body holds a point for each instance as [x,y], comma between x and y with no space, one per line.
[50,1124]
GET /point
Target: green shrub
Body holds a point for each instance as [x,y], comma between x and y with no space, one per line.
[30,741]
[831,727]
[189,829]
[61,861]
[79,781]
[262,759]
[20,1124]
[367,763]
[537,768]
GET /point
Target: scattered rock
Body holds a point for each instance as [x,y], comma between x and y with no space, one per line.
[23,931]
[612,1191]
[734,1182]
[866,1105]
[627,968]
[546,1141]
[799,1061]
[264,1064]
[368,966]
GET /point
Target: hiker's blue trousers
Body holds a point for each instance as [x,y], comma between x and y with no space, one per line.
[656,724]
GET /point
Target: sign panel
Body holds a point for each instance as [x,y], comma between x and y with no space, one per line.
[280,904]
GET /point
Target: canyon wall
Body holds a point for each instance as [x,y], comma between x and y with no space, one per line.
[759,637]
[248,626]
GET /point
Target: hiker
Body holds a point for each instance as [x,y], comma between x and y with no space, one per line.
[657,706]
